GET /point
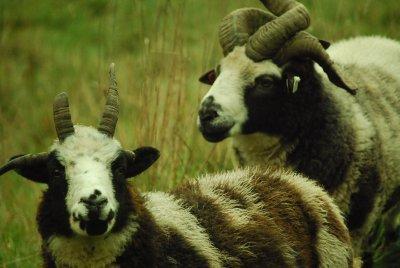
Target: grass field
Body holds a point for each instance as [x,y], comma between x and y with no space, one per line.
[160,48]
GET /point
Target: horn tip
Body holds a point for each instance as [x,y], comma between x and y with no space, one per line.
[352,91]
[112,69]
[113,79]
[61,95]
[61,99]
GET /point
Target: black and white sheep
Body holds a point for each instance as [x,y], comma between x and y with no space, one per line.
[89,217]
[283,109]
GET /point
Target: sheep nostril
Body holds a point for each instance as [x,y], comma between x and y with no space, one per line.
[102,202]
[207,115]
[94,202]
[110,215]
[97,192]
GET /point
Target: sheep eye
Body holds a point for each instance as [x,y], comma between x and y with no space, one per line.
[120,170]
[57,172]
[264,81]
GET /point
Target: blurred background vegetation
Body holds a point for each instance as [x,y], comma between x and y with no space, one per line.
[160,48]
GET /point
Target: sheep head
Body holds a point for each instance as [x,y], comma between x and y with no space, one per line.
[259,48]
[85,170]
[278,36]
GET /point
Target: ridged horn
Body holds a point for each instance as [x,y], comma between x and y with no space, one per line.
[62,116]
[236,28]
[110,115]
[269,38]
[304,45]
[29,160]
[280,38]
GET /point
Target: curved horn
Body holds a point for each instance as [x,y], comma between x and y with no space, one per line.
[62,116]
[266,42]
[110,115]
[26,161]
[306,45]
[236,28]
[279,38]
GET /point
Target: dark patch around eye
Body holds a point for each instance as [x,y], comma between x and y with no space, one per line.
[265,78]
[54,166]
[118,166]
[52,213]
[264,85]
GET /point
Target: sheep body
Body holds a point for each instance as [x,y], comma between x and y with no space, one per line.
[371,124]
[238,218]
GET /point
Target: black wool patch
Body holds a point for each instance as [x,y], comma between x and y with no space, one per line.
[53,216]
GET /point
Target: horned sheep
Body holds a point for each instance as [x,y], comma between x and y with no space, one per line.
[278,93]
[90,217]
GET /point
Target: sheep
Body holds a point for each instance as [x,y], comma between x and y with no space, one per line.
[277,93]
[90,217]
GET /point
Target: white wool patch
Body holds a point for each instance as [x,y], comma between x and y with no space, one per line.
[87,156]
[86,251]
[311,193]
[262,149]
[239,181]
[367,51]
[332,251]
[308,189]
[237,72]
[169,212]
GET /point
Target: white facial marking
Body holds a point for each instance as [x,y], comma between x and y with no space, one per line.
[237,72]
[87,156]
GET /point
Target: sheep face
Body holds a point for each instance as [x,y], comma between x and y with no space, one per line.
[86,176]
[83,163]
[246,97]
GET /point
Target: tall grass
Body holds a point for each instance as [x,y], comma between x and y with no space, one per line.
[160,48]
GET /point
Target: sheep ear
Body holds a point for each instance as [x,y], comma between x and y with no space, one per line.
[33,167]
[208,78]
[139,160]
[325,44]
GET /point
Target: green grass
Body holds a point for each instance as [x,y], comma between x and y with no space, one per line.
[160,48]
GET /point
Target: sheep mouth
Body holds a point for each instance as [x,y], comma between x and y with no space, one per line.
[94,227]
[215,131]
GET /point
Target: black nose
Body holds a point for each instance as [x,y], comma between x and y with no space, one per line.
[208,110]
[207,115]
[94,206]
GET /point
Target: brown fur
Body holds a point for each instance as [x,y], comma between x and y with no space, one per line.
[293,223]
[299,226]
[264,245]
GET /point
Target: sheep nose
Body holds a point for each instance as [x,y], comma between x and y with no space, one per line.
[208,110]
[207,115]
[94,206]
